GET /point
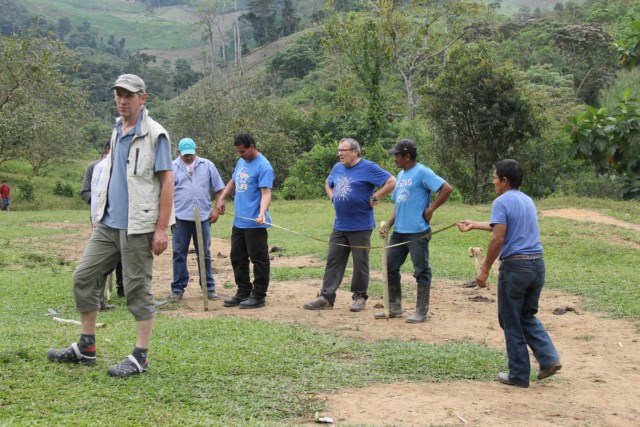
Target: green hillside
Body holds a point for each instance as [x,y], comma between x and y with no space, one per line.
[168,28]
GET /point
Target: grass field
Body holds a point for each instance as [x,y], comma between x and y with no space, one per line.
[229,371]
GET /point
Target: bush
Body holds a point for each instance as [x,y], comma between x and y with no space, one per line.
[27,190]
[64,190]
[307,177]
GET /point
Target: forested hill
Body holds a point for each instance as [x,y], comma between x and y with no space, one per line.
[470,81]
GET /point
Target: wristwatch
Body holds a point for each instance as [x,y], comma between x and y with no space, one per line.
[373,198]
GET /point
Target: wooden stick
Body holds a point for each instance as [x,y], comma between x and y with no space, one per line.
[201,267]
[385,278]
[75,322]
[109,287]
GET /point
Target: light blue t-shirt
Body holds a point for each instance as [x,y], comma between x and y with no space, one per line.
[116,213]
[412,195]
[195,189]
[352,188]
[517,211]
[249,178]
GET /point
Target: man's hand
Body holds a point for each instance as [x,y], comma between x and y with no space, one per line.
[465,225]
[159,241]
[481,279]
[427,214]
[221,208]
[214,216]
[261,219]
[384,229]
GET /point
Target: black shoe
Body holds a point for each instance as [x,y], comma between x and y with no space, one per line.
[234,301]
[120,292]
[252,302]
[176,296]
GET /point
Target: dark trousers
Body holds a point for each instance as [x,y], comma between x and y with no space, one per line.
[418,249]
[519,286]
[250,244]
[337,258]
[182,233]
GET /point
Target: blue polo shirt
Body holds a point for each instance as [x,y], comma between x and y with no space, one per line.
[518,212]
[194,190]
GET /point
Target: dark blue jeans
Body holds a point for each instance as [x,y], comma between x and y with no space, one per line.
[250,244]
[182,232]
[337,258]
[418,248]
[519,285]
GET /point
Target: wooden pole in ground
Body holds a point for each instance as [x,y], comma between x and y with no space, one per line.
[385,278]
[201,265]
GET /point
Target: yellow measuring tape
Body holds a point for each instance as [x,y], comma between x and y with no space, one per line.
[426,236]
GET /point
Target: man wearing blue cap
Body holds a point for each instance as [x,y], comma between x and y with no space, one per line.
[194,179]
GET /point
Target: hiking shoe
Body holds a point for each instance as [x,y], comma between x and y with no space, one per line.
[159,304]
[71,354]
[503,377]
[358,303]
[318,303]
[212,295]
[106,307]
[126,368]
[234,301]
[550,371]
[252,302]
[176,296]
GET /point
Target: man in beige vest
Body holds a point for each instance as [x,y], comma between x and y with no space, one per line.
[134,212]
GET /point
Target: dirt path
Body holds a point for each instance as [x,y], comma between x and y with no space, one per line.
[598,386]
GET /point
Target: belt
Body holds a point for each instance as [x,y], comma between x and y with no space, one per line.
[518,257]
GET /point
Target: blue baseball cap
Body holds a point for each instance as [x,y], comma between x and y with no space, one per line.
[187,146]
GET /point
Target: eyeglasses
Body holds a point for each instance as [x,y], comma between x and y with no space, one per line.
[342,150]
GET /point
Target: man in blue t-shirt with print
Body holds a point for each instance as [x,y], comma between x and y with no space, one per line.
[252,182]
[350,186]
[411,234]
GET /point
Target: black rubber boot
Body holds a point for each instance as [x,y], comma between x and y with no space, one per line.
[422,306]
[395,302]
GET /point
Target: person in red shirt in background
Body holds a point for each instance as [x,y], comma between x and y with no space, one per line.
[5,190]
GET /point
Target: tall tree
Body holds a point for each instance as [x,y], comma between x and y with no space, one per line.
[357,37]
[41,111]
[263,20]
[208,18]
[420,34]
[480,115]
[288,18]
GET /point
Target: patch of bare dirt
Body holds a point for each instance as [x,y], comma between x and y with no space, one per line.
[589,216]
[598,385]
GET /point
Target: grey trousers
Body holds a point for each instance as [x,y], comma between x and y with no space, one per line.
[337,258]
[106,246]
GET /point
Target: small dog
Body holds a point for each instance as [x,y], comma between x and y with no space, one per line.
[478,260]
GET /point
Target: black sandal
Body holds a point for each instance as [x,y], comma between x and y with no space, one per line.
[71,354]
[129,366]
